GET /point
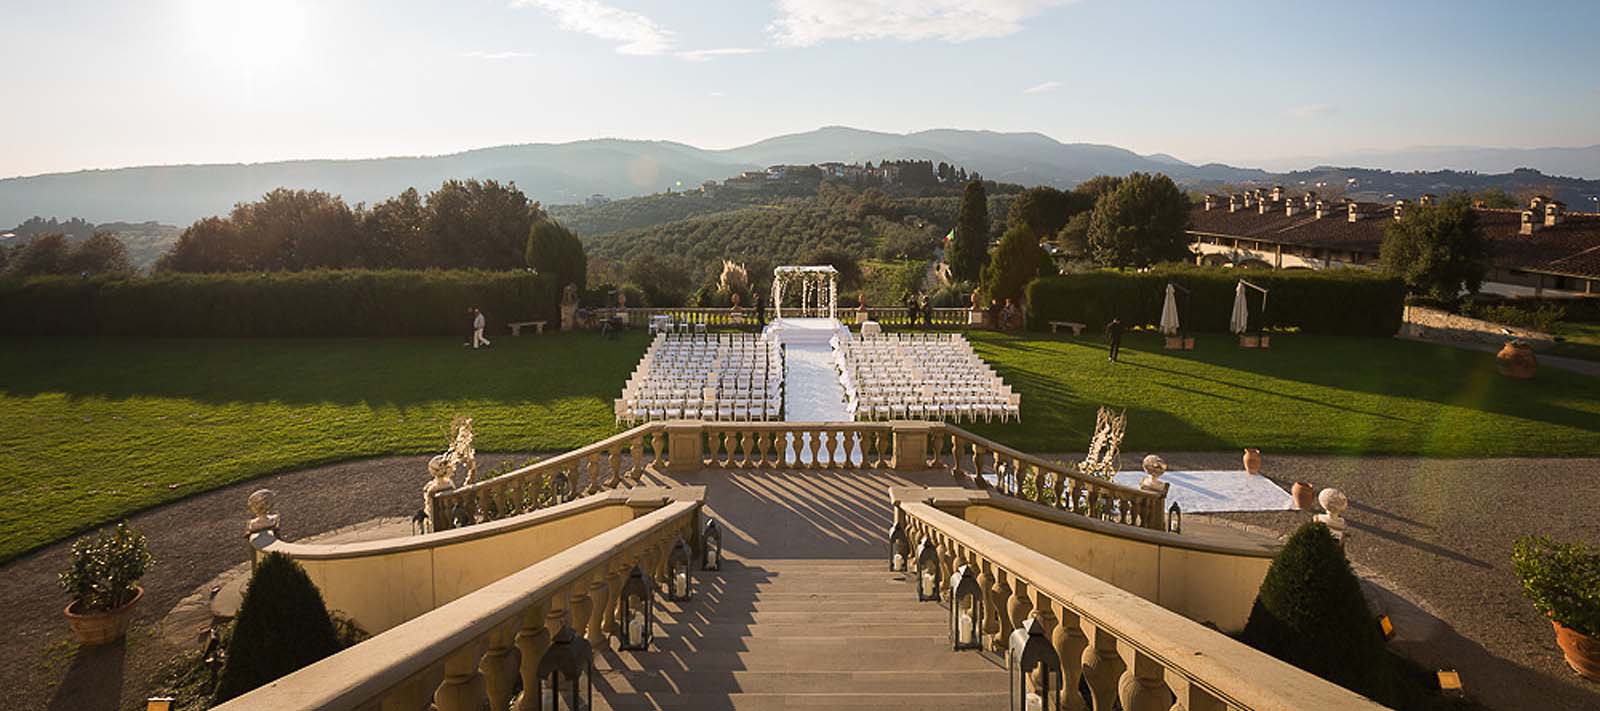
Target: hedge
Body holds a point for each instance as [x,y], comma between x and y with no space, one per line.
[280,304]
[1349,302]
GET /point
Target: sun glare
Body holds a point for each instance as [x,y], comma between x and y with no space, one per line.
[247,34]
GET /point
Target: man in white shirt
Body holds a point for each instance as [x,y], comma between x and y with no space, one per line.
[478,322]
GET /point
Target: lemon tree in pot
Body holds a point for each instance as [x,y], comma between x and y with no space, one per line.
[103,581]
[1563,581]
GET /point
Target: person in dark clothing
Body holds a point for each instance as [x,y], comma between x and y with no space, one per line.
[761,311]
[911,308]
[927,311]
[1114,337]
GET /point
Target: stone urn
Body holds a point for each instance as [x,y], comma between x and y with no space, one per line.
[1582,651]
[1516,360]
[1305,495]
[102,626]
[1252,461]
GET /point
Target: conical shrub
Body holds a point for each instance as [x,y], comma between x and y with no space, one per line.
[282,625]
[1310,613]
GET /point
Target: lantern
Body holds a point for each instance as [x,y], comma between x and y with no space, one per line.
[678,572]
[565,673]
[1174,518]
[966,609]
[1035,669]
[711,547]
[635,611]
[927,572]
[558,488]
[899,549]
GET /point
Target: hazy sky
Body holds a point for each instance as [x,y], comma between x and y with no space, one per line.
[130,82]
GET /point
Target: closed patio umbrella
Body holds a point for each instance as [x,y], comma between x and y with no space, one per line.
[1241,312]
[1169,312]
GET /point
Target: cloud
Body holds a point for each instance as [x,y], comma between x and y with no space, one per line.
[804,23]
[480,54]
[1310,111]
[717,94]
[706,55]
[634,33]
[1042,88]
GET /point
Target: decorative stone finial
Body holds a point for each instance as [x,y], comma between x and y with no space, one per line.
[440,468]
[1334,502]
[261,504]
[1154,467]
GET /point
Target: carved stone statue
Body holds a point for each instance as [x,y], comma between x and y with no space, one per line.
[261,504]
[1154,467]
[569,307]
[461,450]
[1105,449]
[441,469]
[1334,502]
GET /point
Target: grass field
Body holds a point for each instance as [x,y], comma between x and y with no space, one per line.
[93,430]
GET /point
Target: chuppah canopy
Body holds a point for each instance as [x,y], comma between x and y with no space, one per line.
[818,285]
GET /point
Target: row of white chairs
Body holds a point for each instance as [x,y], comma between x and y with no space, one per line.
[713,377]
[921,376]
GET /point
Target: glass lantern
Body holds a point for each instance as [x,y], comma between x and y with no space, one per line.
[1035,669]
[636,613]
[711,547]
[558,488]
[899,549]
[1174,518]
[966,609]
[927,572]
[565,673]
[678,580]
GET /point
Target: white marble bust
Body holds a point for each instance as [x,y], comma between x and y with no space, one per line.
[1154,467]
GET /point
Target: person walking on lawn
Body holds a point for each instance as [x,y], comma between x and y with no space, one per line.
[1114,337]
[478,323]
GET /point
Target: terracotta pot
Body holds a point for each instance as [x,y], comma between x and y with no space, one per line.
[1266,341]
[1252,461]
[1516,360]
[104,627]
[1582,651]
[1188,343]
[1305,496]
[1174,343]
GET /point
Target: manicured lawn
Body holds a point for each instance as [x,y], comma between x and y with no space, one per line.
[1305,394]
[1579,340]
[93,430]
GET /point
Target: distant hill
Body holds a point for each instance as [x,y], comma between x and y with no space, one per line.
[1581,162]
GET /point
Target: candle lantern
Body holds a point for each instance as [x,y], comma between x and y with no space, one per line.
[711,547]
[927,571]
[966,609]
[899,549]
[1174,518]
[558,488]
[1035,669]
[565,673]
[636,613]
[678,572]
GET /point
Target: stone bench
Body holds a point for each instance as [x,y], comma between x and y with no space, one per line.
[516,328]
[1077,328]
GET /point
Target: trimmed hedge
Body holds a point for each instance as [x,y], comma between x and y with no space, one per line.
[278,304]
[1345,302]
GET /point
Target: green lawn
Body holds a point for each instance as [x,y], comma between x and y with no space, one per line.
[91,430]
[1579,340]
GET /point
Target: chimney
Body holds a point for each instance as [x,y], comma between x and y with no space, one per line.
[1399,208]
[1233,203]
[1249,199]
[1528,225]
[1353,209]
[1310,199]
[1322,208]
[1428,200]
[1211,201]
[1537,204]
[1290,208]
[1262,206]
[1553,213]
[1277,193]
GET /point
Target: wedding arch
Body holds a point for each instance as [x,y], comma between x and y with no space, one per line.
[818,286]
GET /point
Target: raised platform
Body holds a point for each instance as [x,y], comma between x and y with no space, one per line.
[806,331]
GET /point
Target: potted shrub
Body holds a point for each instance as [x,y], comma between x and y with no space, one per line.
[104,583]
[1563,581]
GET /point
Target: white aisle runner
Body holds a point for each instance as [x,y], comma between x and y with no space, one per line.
[812,392]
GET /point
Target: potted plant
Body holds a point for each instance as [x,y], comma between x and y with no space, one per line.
[1563,581]
[104,583]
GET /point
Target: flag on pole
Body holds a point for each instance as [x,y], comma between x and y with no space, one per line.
[950,236]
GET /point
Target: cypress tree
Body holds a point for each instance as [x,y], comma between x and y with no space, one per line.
[282,626]
[969,251]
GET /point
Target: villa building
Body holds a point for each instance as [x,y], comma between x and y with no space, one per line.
[1543,250]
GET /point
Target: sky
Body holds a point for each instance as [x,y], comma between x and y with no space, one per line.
[115,83]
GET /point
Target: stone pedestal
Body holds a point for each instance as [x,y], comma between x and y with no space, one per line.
[683,446]
[569,316]
[910,446]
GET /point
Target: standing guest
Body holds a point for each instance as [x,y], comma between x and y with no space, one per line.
[911,308]
[1010,316]
[861,310]
[927,313]
[1114,337]
[761,311]
[478,322]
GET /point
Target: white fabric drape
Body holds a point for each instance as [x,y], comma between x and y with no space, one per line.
[1241,311]
[1169,312]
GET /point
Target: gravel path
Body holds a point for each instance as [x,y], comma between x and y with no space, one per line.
[1440,529]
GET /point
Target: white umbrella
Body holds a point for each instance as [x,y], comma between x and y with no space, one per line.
[1241,312]
[1169,312]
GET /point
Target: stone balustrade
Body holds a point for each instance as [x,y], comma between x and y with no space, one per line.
[1127,650]
[471,653]
[746,316]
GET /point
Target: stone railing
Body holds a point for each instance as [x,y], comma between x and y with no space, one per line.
[1126,649]
[746,316]
[687,445]
[472,653]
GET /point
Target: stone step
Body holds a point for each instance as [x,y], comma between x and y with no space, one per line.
[871,620]
[820,625]
[835,700]
[876,581]
[651,681]
[886,653]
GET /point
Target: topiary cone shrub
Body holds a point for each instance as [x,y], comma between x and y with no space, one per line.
[282,626]
[1310,613]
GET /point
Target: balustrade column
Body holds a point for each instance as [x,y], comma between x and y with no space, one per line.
[499,666]
[1141,687]
[1069,642]
[1019,605]
[582,606]
[999,601]
[463,687]
[532,642]
[991,609]
[599,597]
[1190,697]
[1102,668]
[619,568]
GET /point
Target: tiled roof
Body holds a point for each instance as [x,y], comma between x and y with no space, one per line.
[1572,247]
